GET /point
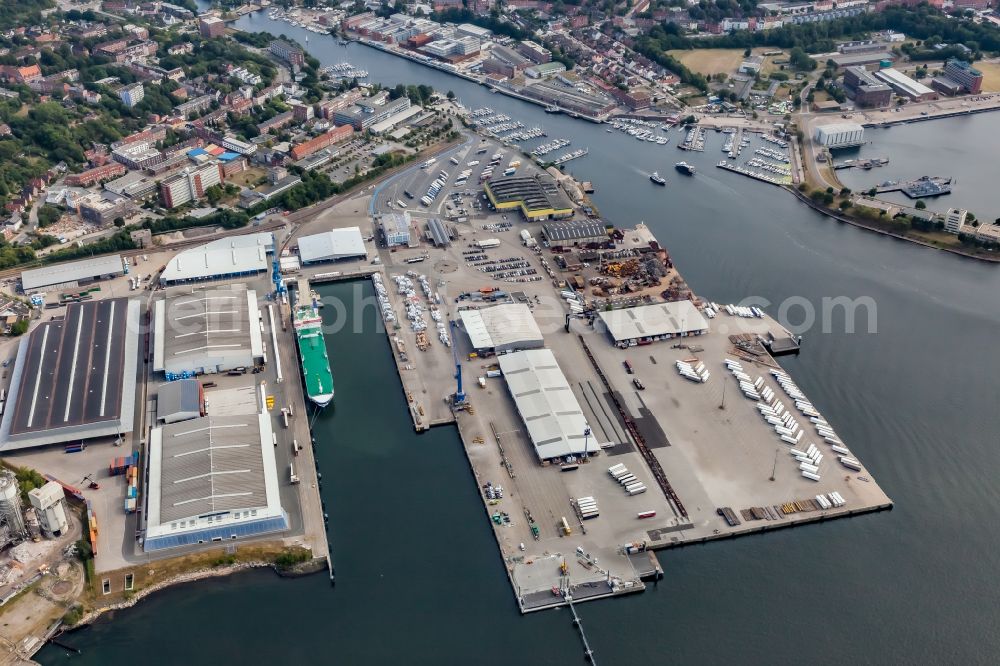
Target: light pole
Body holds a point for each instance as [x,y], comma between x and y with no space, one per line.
[586,441]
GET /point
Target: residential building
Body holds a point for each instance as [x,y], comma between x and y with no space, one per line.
[988,233]
[95,175]
[293,55]
[137,155]
[211,26]
[132,94]
[954,220]
[189,185]
[329,138]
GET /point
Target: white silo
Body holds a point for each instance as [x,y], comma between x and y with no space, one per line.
[10,504]
[50,503]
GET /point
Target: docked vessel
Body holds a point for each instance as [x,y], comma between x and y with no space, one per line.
[308,327]
[657,178]
[685,168]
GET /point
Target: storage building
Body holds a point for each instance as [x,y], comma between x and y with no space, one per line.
[502,328]
[212,478]
[647,323]
[840,135]
[552,416]
[578,232]
[180,400]
[74,378]
[332,246]
[72,274]
[537,197]
[230,257]
[207,331]
[396,228]
[904,85]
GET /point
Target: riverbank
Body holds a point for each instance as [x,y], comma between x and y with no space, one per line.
[861,224]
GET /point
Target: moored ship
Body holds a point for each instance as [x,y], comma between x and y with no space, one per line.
[315,363]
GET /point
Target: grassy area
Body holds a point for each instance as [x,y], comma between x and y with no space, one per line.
[247,177]
[991,75]
[153,573]
[714,61]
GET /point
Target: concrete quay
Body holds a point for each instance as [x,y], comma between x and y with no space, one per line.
[714,448]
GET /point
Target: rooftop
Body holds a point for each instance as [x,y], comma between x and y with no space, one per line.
[550,411]
[73,271]
[332,245]
[210,465]
[205,324]
[575,230]
[659,319]
[74,377]
[533,194]
[502,327]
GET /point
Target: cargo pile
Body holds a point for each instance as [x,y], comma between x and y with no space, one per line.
[696,373]
[132,495]
[631,484]
[383,299]
[751,389]
[587,506]
[121,464]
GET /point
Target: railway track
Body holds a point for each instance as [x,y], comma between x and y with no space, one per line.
[640,441]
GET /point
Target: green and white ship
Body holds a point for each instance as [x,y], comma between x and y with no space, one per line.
[308,326]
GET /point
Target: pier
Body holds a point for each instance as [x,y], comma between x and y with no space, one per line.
[925,186]
[861,164]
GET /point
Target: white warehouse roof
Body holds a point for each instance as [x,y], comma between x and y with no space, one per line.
[650,321]
[502,327]
[72,271]
[545,401]
[235,255]
[332,245]
[212,478]
[209,330]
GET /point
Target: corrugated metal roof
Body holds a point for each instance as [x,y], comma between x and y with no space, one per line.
[209,465]
[180,397]
[505,326]
[546,403]
[332,245]
[72,271]
[654,320]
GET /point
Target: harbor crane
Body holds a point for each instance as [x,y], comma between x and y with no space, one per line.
[277,279]
[459,397]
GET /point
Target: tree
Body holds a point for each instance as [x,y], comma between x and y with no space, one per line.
[119,222]
[451,94]
[800,60]
[20,327]
[921,205]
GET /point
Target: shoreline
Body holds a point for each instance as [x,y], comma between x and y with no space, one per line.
[884,232]
[308,568]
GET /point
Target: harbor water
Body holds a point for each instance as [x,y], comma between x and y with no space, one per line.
[419,577]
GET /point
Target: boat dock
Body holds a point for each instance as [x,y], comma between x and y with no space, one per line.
[925,186]
[861,164]
[751,174]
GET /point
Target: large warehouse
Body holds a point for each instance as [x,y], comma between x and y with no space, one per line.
[551,413]
[660,321]
[207,331]
[212,478]
[502,328]
[72,274]
[332,246]
[74,378]
[230,257]
[537,197]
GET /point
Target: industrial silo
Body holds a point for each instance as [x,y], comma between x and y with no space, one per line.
[10,504]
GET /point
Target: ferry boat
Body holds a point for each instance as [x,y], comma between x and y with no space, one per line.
[308,327]
[657,178]
[685,168]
